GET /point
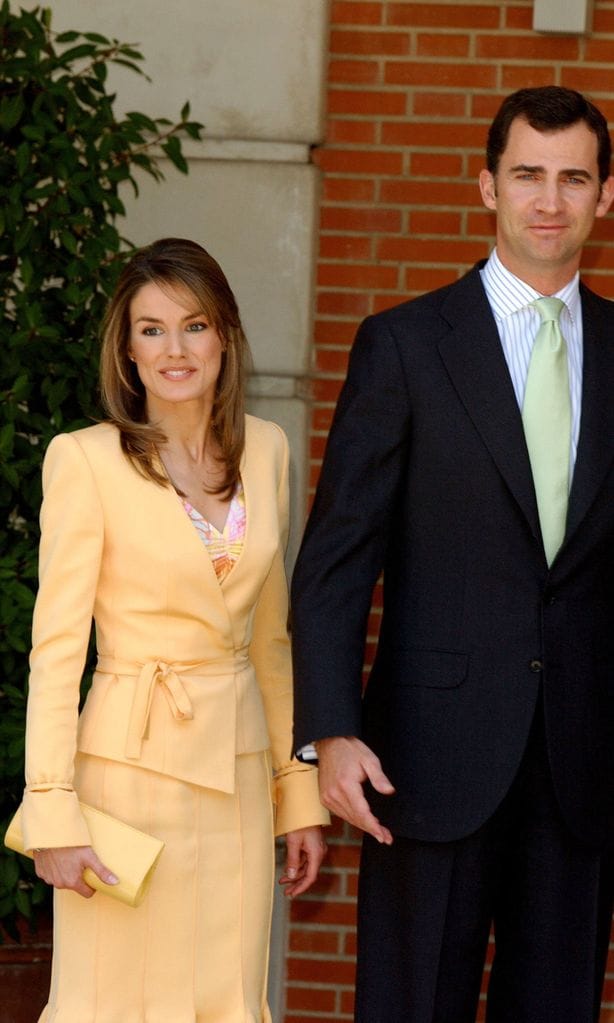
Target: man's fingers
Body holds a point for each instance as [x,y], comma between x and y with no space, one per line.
[379,781]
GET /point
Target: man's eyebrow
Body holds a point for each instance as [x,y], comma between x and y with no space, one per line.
[568,172]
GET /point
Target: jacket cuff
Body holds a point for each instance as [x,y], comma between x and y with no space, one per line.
[52,818]
[297,800]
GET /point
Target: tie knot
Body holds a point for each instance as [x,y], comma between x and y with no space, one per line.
[548,308]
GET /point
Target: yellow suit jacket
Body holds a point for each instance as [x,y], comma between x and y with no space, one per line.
[190,672]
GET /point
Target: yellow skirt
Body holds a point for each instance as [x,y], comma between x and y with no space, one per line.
[196,950]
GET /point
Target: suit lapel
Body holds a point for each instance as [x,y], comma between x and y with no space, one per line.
[475,362]
[596,441]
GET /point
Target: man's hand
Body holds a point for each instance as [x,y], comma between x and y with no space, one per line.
[344,764]
[63,868]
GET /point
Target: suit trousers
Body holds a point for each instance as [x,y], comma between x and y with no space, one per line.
[426,911]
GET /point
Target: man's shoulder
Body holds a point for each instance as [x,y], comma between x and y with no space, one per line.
[592,301]
[459,296]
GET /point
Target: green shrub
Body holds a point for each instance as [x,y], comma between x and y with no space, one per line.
[64,156]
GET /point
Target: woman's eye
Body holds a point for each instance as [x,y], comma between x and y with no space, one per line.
[152,331]
[197,326]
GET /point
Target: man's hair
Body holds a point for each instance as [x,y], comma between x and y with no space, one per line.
[548,108]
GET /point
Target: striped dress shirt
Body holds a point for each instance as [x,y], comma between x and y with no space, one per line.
[518,322]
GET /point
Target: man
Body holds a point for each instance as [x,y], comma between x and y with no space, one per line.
[472,458]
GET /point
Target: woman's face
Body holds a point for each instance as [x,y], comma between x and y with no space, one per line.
[178,354]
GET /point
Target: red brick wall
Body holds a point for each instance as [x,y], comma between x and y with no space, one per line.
[412,88]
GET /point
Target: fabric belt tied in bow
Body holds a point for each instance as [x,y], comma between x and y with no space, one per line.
[167,676]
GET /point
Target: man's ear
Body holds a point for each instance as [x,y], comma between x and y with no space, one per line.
[488,189]
[606,198]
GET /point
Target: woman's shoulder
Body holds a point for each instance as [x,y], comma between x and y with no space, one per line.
[89,441]
[265,431]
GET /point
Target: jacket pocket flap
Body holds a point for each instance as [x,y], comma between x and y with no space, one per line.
[433,669]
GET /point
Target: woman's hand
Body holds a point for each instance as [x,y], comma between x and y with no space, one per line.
[63,868]
[306,849]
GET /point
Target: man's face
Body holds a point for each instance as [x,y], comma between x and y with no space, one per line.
[546,194]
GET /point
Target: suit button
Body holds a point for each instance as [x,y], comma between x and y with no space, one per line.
[536,665]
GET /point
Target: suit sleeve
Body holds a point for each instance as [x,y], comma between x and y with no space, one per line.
[295,785]
[346,538]
[69,564]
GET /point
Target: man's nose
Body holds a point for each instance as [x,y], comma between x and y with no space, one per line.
[549,197]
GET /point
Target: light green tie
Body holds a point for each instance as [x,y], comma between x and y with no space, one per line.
[546,416]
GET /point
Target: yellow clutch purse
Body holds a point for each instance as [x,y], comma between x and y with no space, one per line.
[131,854]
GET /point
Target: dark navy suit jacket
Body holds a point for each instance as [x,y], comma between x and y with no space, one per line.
[427,476]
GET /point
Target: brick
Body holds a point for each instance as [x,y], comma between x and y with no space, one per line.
[603,19]
[467,76]
[349,943]
[519,17]
[419,250]
[591,80]
[355,101]
[342,856]
[345,12]
[342,303]
[439,44]
[421,279]
[351,885]
[311,940]
[434,222]
[356,132]
[357,275]
[520,75]
[597,257]
[316,447]
[457,193]
[359,161]
[382,302]
[346,247]
[486,105]
[321,419]
[347,1002]
[436,165]
[438,104]
[348,190]
[333,332]
[418,133]
[601,50]
[321,971]
[326,390]
[481,223]
[354,72]
[356,218]
[332,360]
[318,911]
[381,43]
[475,163]
[443,15]
[311,998]
[536,45]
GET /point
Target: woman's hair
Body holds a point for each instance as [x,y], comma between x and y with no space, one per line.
[174,263]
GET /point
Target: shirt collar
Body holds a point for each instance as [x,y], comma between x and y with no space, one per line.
[508,294]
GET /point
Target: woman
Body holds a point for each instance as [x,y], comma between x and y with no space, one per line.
[167,524]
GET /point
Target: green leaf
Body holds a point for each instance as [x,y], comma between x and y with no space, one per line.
[69,241]
[172,148]
[11,110]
